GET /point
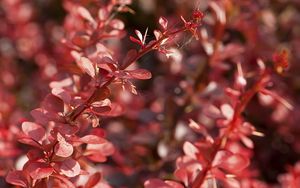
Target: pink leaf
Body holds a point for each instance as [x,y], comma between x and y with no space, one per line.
[163,22]
[117,24]
[227,111]
[220,157]
[116,110]
[62,94]
[16,178]
[92,139]
[83,12]
[70,168]
[38,170]
[87,66]
[139,35]
[190,150]
[34,131]
[157,34]
[141,74]
[157,183]
[63,148]
[235,163]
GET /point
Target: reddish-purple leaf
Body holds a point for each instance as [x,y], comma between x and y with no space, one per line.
[16,178]
[102,93]
[61,181]
[34,131]
[39,170]
[52,103]
[136,40]
[34,155]
[130,57]
[141,74]
[87,66]
[65,129]
[93,180]
[70,167]
[30,141]
[63,148]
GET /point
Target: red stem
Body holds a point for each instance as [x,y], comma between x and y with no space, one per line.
[73,115]
[239,108]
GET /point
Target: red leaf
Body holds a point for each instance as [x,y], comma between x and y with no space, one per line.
[116,110]
[163,22]
[99,152]
[52,103]
[38,170]
[130,57]
[81,40]
[62,94]
[235,163]
[61,181]
[87,66]
[92,139]
[70,168]
[101,107]
[16,178]
[93,180]
[157,183]
[141,74]
[105,149]
[136,40]
[102,93]
[63,148]
[29,141]
[65,129]
[34,131]
[34,155]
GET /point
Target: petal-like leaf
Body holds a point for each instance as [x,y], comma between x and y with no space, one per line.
[34,131]
[63,148]
[70,167]
[87,66]
[93,180]
[16,178]
[92,139]
[141,74]
[38,170]
[163,22]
